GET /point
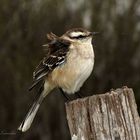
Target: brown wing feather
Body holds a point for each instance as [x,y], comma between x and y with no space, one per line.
[51,36]
[58,49]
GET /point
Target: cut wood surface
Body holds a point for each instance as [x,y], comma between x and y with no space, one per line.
[109,116]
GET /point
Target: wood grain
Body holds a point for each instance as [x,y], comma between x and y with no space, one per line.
[109,116]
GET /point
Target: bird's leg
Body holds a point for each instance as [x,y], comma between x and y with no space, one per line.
[79,95]
[65,95]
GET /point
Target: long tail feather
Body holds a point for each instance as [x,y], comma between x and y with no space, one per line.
[26,123]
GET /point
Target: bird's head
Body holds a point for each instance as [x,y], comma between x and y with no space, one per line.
[78,35]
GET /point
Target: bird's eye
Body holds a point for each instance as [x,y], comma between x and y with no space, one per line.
[78,37]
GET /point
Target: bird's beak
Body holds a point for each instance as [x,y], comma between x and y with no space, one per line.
[95,33]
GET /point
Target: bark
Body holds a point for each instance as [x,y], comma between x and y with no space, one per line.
[109,116]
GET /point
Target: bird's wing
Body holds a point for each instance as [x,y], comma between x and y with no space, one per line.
[58,49]
[51,36]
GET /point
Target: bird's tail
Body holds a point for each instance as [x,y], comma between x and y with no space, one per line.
[26,123]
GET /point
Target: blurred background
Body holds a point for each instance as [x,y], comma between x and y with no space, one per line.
[23,28]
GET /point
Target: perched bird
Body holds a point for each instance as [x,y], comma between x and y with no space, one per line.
[67,65]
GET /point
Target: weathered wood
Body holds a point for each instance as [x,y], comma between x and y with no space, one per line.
[109,116]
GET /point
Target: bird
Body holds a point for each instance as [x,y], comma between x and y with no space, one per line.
[68,63]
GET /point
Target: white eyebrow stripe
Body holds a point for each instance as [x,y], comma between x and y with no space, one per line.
[76,34]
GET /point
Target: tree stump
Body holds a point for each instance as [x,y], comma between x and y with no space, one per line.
[109,116]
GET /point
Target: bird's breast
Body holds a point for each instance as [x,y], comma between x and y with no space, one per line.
[78,67]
